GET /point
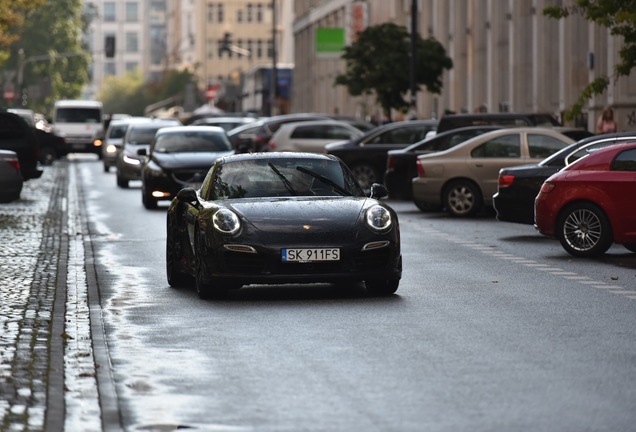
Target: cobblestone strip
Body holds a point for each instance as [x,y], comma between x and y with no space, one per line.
[82,402]
[30,233]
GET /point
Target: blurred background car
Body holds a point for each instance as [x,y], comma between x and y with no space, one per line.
[227,123]
[507,119]
[401,165]
[51,145]
[253,137]
[10,177]
[180,157]
[16,135]
[366,155]
[463,179]
[114,138]
[311,136]
[518,186]
[590,204]
[138,137]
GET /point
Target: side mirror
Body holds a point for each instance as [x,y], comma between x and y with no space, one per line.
[188,195]
[378,191]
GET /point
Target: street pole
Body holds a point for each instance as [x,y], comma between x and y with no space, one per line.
[274,83]
[413,113]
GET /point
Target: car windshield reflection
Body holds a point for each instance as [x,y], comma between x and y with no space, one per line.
[283,178]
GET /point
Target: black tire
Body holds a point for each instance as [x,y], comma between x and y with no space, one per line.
[47,155]
[382,287]
[106,168]
[122,182]
[176,279]
[462,198]
[366,175]
[630,247]
[584,230]
[426,207]
[148,202]
[205,290]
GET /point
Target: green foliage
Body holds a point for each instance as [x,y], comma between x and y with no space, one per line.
[379,62]
[619,16]
[130,94]
[12,17]
[55,64]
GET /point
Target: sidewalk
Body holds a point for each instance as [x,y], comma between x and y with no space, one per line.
[48,372]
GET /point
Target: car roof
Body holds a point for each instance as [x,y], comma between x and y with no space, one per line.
[590,140]
[191,128]
[449,132]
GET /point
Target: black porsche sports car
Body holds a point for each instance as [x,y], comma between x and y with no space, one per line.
[272,218]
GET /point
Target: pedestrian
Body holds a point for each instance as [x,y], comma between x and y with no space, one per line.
[606,123]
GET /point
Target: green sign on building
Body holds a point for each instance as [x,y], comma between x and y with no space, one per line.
[330,42]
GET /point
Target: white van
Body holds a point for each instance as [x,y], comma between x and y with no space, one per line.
[80,122]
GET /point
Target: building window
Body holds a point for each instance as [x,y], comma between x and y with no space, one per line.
[132,12]
[109,12]
[270,53]
[210,12]
[259,12]
[109,69]
[220,12]
[239,16]
[259,49]
[132,42]
[250,12]
[210,48]
[131,66]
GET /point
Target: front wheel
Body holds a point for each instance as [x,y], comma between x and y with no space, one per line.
[584,230]
[176,278]
[383,287]
[462,198]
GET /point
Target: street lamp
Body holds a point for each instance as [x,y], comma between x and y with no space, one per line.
[413,113]
[274,83]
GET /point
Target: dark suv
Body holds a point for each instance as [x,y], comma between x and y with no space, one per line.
[17,135]
[454,121]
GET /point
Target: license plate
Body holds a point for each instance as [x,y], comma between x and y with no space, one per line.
[311,255]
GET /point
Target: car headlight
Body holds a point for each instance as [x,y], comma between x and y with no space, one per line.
[226,221]
[378,218]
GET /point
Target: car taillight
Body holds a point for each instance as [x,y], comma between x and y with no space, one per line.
[271,145]
[547,187]
[506,180]
[420,169]
[390,163]
[14,163]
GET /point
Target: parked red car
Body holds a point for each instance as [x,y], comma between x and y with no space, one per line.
[591,203]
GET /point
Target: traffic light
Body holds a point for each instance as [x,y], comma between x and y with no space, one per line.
[227,42]
[109,46]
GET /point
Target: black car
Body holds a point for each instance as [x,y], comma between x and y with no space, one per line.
[401,165]
[272,218]
[519,186]
[180,157]
[18,136]
[255,136]
[366,155]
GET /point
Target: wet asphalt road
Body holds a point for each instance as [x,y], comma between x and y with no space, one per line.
[493,328]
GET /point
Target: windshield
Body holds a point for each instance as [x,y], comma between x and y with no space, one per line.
[284,177]
[78,115]
[192,141]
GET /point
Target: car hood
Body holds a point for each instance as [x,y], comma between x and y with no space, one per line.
[188,159]
[302,215]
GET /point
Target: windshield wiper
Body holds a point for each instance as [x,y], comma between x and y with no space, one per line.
[286,182]
[323,179]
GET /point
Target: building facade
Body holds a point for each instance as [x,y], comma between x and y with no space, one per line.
[507,56]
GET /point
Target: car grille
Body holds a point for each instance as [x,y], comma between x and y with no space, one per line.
[254,264]
[190,175]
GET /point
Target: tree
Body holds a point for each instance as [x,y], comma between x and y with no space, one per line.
[50,54]
[619,16]
[12,17]
[378,62]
